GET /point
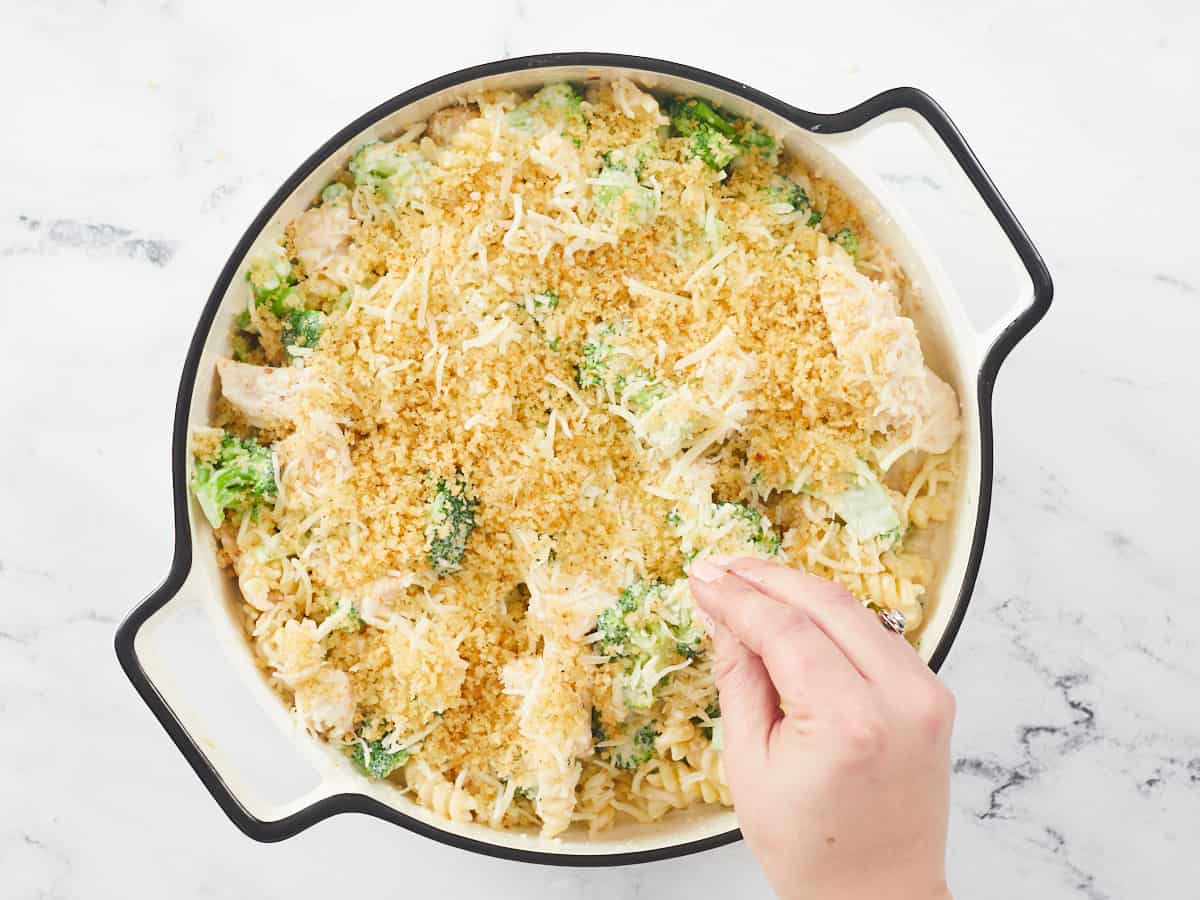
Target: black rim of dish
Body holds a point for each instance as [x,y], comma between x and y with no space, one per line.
[899,98]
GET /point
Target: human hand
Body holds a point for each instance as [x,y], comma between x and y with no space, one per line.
[836,735]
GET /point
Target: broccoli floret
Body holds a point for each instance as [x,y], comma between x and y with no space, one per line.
[597,353]
[711,136]
[848,241]
[603,366]
[621,199]
[864,505]
[635,749]
[692,114]
[540,307]
[525,793]
[240,478]
[614,633]
[619,194]
[554,106]
[639,391]
[374,761]
[387,170]
[451,521]
[756,140]
[632,158]
[272,280]
[757,527]
[713,148]
[302,328]
[647,629]
[349,617]
[334,192]
[725,528]
[783,190]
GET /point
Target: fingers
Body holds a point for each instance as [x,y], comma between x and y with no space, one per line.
[877,653]
[749,702]
[808,671]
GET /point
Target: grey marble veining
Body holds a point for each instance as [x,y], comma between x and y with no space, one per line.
[141,139]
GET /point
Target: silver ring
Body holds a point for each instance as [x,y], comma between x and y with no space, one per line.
[893,620]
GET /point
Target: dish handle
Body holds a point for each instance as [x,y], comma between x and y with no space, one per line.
[916,108]
[137,647]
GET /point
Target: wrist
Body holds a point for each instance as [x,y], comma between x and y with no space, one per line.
[894,889]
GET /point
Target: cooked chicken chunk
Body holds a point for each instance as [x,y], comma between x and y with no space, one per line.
[445,123]
[878,345]
[321,235]
[264,396]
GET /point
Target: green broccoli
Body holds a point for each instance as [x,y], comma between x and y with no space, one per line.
[374,761]
[711,136]
[556,106]
[692,114]
[848,240]
[635,749]
[604,367]
[714,149]
[334,192]
[646,630]
[597,353]
[525,792]
[865,506]
[639,390]
[387,170]
[351,620]
[451,521]
[755,140]
[725,528]
[632,158]
[272,280]
[756,528]
[241,477]
[539,306]
[302,328]
[783,190]
[620,198]
[614,633]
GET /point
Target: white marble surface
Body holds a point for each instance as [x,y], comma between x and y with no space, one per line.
[140,138]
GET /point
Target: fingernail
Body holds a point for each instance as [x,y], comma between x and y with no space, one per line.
[707,570]
[706,621]
[723,560]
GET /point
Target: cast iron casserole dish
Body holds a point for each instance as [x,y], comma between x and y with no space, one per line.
[958,350]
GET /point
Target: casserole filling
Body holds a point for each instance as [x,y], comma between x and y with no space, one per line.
[496,391]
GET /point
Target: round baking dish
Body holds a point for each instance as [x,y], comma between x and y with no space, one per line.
[960,353]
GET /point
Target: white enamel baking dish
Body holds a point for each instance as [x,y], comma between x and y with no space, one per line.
[968,358]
